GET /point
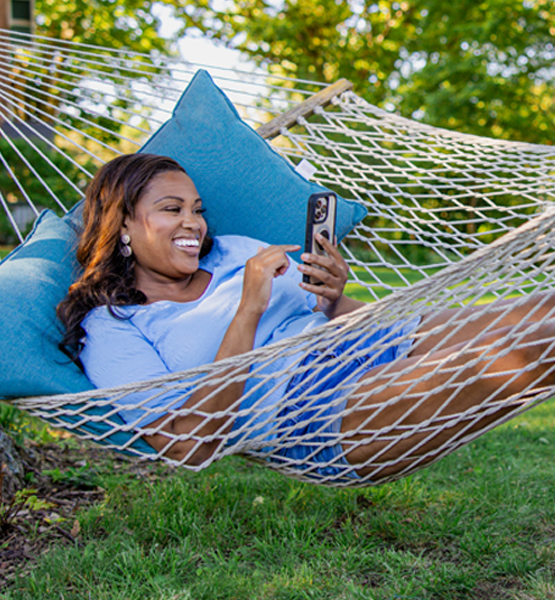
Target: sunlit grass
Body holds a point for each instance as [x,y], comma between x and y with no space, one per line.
[391,279]
[477,524]
[4,251]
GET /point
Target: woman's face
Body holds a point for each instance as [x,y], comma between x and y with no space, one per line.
[167,230]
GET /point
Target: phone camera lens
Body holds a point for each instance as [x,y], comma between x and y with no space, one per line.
[320,210]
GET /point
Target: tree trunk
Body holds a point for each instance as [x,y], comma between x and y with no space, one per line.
[15,462]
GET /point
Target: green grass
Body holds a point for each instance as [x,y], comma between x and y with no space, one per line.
[4,251]
[389,278]
[478,524]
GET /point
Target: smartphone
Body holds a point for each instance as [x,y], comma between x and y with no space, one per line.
[320,218]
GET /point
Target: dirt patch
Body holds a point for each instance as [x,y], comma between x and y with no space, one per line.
[503,589]
[43,515]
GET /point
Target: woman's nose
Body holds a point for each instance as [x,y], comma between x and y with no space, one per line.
[189,221]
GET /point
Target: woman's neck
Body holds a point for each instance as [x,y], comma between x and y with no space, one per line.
[185,290]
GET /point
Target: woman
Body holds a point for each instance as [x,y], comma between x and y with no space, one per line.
[158,295]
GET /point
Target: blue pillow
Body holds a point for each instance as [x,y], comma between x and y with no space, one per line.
[34,278]
[246,186]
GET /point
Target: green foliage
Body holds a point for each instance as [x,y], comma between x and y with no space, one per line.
[129,25]
[132,26]
[43,174]
[20,426]
[23,500]
[476,67]
[488,68]
[14,422]
[83,477]
[43,163]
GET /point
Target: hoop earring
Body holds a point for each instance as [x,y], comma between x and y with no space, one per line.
[126,249]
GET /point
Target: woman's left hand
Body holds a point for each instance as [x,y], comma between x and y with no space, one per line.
[333,272]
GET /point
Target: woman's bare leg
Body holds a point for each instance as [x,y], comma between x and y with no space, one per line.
[399,416]
[455,325]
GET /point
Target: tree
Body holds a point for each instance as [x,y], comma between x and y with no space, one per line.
[15,463]
[476,67]
[130,25]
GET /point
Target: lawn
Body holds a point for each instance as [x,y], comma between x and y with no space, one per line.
[478,524]
[383,274]
[4,251]
[391,280]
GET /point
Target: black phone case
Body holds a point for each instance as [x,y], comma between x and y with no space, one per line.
[318,223]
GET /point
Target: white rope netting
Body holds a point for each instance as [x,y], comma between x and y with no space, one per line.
[470,218]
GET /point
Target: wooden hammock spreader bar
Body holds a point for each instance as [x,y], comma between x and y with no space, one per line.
[286,120]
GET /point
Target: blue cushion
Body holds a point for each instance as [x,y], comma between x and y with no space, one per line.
[34,278]
[246,186]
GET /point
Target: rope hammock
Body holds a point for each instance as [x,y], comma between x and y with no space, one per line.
[453,221]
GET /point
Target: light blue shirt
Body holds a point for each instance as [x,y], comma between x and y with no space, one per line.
[165,337]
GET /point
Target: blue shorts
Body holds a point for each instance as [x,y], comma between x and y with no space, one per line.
[308,427]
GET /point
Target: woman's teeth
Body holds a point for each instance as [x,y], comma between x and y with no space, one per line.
[185,243]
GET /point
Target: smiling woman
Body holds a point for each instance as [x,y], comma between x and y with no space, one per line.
[159,296]
[166,232]
[113,198]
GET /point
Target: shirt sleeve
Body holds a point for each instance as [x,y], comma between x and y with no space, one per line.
[116,353]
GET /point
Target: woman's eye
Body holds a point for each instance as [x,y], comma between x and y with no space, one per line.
[199,211]
[175,209]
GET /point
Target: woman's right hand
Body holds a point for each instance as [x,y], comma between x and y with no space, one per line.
[260,271]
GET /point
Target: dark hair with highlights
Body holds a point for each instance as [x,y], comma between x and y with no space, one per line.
[109,277]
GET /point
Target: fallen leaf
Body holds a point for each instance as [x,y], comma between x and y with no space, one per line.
[75,529]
